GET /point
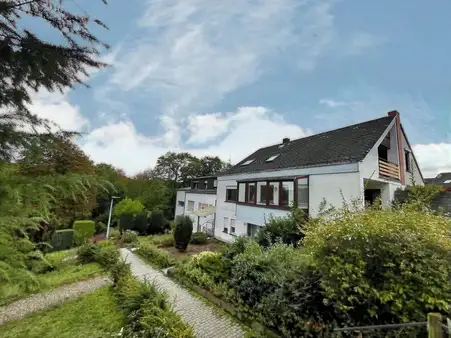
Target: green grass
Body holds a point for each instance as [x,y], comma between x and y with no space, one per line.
[93,316]
[67,271]
[156,239]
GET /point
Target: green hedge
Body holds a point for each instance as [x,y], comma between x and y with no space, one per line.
[154,256]
[198,238]
[84,230]
[62,239]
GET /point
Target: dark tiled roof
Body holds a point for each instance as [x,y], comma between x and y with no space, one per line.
[440,180]
[345,145]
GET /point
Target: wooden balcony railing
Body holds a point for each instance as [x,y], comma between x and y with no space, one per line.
[387,169]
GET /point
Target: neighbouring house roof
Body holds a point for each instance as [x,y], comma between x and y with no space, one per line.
[443,179]
[345,145]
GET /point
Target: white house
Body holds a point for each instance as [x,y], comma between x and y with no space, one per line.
[198,202]
[357,163]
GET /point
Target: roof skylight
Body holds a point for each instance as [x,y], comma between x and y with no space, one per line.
[272,158]
[447,181]
[248,162]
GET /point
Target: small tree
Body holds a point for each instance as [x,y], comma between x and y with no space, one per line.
[183,231]
[129,206]
[126,221]
[158,222]
[140,223]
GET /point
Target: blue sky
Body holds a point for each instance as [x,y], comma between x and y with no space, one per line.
[224,78]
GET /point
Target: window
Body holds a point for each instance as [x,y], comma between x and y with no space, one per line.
[196,185]
[231,195]
[215,183]
[250,198]
[242,192]
[261,193]
[181,203]
[248,162]
[232,226]
[205,184]
[383,153]
[447,181]
[272,158]
[190,206]
[274,193]
[226,225]
[287,197]
[252,229]
[303,193]
[407,157]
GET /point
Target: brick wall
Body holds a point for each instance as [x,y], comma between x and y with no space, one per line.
[443,200]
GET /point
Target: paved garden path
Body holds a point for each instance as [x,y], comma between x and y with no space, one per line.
[41,301]
[205,320]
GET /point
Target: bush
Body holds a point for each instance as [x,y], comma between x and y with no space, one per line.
[282,229]
[183,231]
[119,270]
[140,223]
[128,206]
[383,266]
[107,255]
[83,230]
[129,237]
[163,241]
[198,238]
[126,221]
[62,239]
[158,223]
[155,256]
[87,253]
[114,234]
[100,228]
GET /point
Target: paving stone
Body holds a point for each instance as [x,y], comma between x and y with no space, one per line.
[206,321]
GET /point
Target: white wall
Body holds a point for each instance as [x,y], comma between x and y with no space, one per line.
[257,215]
[209,199]
[228,210]
[179,210]
[334,188]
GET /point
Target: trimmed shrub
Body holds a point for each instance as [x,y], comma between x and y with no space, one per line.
[183,231]
[383,266]
[155,256]
[83,230]
[140,224]
[198,238]
[87,253]
[158,223]
[100,228]
[126,221]
[129,237]
[107,255]
[62,239]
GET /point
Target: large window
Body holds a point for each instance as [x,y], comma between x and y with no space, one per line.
[190,206]
[287,195]
[303,193]
[274,193]
[231,194]
[250,196]
[261,193]
[242,192]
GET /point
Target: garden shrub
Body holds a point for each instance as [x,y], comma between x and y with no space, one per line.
[114,234]
[155,256]
[62,239]
[100,228]
[83,230]
[158,223]
[126,221]
[107,255]
[163,241]
[37,263]
[183,231]
[383,266]
[140,223]
[129,237]
[87,253]
[198,238]
[282,229]
[119,270]
[210,263]
[128,206]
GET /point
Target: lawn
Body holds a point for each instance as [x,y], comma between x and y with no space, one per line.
[94,315]
[67,271]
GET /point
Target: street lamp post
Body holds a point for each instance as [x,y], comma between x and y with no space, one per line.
[109,217]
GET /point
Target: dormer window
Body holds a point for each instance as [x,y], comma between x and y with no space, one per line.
[248,162]
[272,158]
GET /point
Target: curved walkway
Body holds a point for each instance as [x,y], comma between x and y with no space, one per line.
[205,320]
[41,301]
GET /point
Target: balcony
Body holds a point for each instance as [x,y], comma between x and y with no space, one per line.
[388,170]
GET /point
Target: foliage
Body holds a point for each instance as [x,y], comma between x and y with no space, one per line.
[285,229]
[84,230]
[153,193]
[62,239]
[114,234]
[182,232]
[155,256]
[129,237]
[107,255]
[93,315]
[128,206]
[163,241]
[100,228]
[422,195]
[210,263]
[126,222]
[87,253]
[158,223]
[119,270]
[198,238]
[140,223]
[383,266]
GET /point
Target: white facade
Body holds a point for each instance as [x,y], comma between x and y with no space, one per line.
[193,202]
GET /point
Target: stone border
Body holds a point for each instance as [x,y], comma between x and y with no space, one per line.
[227,307]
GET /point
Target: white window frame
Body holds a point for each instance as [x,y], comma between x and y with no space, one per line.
[226,225]
[232,226]
[188,206]
[248,162]
[272,158]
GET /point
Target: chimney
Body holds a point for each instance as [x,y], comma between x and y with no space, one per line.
[393,113]
[285,140]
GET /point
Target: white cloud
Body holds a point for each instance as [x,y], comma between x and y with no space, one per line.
[433,158]
[362,42]
[333,103]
